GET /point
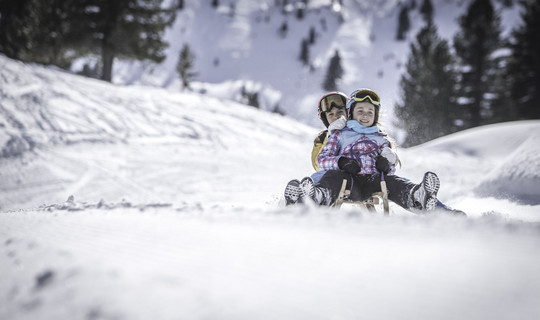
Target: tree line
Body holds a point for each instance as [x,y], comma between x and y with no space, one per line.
[58,31]
[482,79]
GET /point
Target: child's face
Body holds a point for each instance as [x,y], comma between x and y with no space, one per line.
[334,114]
[364,112]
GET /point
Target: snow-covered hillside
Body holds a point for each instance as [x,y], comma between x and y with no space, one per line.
[176,213]
[245,49]
[108,142]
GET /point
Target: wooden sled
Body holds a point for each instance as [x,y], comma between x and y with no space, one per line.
[376,198]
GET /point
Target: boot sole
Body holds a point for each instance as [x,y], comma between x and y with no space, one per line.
[431,186]
[307,188]
[292,192]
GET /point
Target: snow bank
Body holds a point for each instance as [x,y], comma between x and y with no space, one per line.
[518,176]
[503,159]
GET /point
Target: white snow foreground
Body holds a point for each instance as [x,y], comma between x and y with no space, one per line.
[195,262]
[176,215]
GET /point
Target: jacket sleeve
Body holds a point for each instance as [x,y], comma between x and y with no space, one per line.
[318,145]
[329,155]
[389,154]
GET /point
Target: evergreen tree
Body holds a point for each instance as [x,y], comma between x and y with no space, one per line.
[312,35]
[186,63]
[304,52]
[334,73]
[128,29]
[36,31]
[475,43]
[283,29]
[524,65]
[249,98]
[17,27]
[43,32]
[404,24]
[426,9]
[300,13]
[428,97]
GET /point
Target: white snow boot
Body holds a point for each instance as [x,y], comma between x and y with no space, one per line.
[292,192]
[319,195]
[300,191]
[424,195]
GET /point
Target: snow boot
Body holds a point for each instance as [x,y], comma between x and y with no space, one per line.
[319,195]
[308,189]
[424,195]
[292,192]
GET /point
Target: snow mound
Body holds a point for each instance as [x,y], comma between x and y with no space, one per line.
[518,176]
[486,141]
[505,158]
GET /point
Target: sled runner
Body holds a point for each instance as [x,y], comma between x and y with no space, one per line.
[376,198]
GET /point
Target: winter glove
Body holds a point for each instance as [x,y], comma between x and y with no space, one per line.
[349,165]
[382,164]
[337,125]
[389,154]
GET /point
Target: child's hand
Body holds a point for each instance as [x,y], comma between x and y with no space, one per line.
[389,155]
[382,164]
[349,165]
[337,125]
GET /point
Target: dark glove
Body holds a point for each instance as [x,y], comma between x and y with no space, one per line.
[382,164]
[349,165]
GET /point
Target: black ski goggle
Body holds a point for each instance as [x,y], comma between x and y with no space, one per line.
[332,101]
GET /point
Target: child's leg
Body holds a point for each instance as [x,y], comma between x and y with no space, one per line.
[332,181]
[422,196]
[399,190]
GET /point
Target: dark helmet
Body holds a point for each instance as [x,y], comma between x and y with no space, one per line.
[330,100]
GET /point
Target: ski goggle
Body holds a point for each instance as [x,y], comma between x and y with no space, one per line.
[366,94]
[332,100]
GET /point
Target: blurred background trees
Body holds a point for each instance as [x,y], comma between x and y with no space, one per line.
[58,31]
[481,79]
[478,77]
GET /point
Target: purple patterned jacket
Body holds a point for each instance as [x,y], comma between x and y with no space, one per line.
[364,148]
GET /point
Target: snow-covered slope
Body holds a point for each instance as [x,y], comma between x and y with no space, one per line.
[176,213]
[98,140]
[245,49]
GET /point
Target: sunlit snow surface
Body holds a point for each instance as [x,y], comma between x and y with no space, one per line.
[177,214]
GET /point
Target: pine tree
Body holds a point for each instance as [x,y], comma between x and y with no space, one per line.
[428,97]
[130,29]
[44,31]
[186,63]
[333,73]
[304,52]
[36,31]
[18,24]
[475,43]
[524,65]
[283,29]
[312,35]
[426,9]
[404,24]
